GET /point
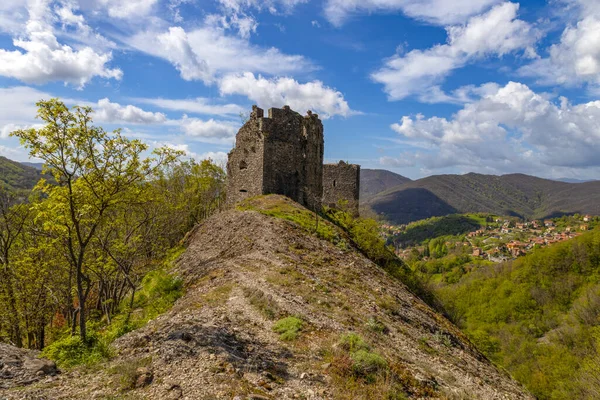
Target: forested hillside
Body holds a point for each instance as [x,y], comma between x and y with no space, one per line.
[374,181]
[15,175]
[513,195]
[107,217]
[537,316]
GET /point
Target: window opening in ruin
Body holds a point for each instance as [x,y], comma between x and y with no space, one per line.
[253,149]
[243,164]
[334,183]
[243,191]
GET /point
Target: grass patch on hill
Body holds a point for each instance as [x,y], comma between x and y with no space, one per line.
[288,328]
[159,291]
[283,208]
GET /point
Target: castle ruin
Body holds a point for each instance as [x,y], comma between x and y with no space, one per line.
[341,184]
[283,154]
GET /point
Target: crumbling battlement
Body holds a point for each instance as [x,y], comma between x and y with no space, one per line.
[283,154]
[341,183]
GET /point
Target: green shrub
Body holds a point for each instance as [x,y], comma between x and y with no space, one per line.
[158,293]
[288,328]
[375,325]
[352,342]
[71,351]
[366,363]
[127,372]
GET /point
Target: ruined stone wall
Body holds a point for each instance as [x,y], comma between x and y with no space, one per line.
[293,156]
[284,167]
[314,147]
[281,154]
[341,182]
[245,164]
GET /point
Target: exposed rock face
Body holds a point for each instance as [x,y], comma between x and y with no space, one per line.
[19,367]
[244,271]
[341,182]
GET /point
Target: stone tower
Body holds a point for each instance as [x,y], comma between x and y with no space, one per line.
[280,154]
[341,181]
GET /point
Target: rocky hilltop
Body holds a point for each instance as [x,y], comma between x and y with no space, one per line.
[273,311]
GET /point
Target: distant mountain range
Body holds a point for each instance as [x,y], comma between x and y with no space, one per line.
[15,175]
[516,195]
[374,181]
[34,165]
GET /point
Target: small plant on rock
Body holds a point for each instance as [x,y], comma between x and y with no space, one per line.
[288,328]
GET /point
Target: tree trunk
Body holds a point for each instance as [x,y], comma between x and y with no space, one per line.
[16,335]
[81,296]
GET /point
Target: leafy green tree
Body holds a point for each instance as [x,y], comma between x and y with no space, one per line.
[94,172]
[12,221]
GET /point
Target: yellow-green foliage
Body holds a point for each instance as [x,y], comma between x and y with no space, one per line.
[71,351]
[158,293]
[537,316]
[364,233]
[288,328]
[365,364]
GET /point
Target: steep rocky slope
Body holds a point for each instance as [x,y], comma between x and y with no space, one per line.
[244,271]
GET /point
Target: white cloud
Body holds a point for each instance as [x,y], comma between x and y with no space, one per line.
[218,157]
[245,25]
[200,105]
[206,52]
[576,58]
[278,92]
[273,6]
[115,113]
[175,47]
[511,129]
[126,9]
[18,109]
[42,58]
[495,33]
[441,12]
[211,131]
[405,161]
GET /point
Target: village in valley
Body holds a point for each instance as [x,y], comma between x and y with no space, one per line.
[497,239]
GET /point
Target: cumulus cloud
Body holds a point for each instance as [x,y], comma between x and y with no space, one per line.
[40,58]
[511,129]
[200,105]
[106,111]
[576,58]
[206,52]
[210,131]
[441,12]
[17,108]
[496,33]
[277,92]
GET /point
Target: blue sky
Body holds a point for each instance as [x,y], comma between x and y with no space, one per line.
[419,87]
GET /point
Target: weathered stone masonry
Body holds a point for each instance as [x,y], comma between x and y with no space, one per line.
[341,182]
[280,154]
